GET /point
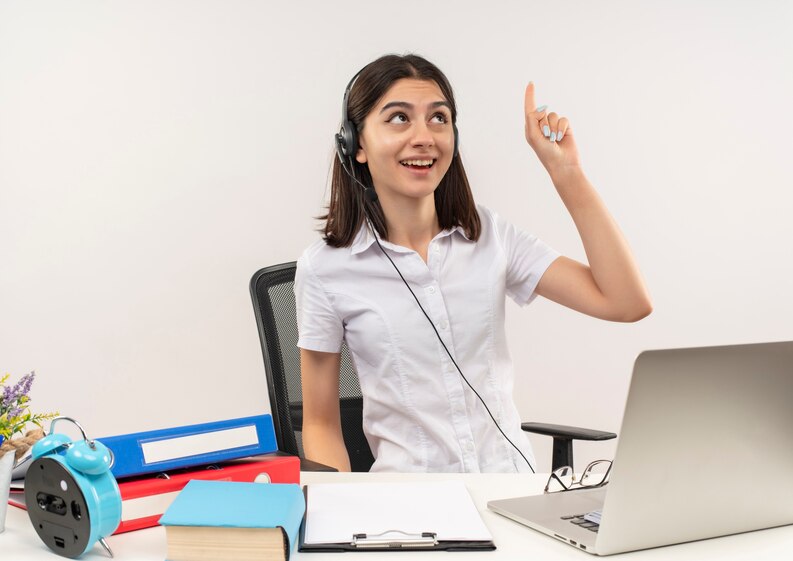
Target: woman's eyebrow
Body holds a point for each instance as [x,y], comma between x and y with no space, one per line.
[406,105]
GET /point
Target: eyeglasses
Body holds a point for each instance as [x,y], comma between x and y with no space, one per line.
[563,478]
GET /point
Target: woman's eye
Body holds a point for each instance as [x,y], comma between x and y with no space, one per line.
[401,118]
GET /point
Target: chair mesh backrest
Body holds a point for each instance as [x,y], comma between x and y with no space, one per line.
[274,305]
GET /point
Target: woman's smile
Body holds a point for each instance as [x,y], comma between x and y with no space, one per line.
[418,168]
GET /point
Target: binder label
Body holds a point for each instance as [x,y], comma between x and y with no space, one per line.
[197,444]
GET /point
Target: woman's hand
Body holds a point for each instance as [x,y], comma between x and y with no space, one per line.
[551,137]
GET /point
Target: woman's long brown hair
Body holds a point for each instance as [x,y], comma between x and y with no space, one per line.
[454,202]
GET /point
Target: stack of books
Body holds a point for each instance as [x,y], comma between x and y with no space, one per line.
[153,467]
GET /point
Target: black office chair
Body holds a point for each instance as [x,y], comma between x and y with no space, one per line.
[274,306]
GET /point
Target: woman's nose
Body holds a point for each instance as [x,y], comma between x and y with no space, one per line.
[422,135]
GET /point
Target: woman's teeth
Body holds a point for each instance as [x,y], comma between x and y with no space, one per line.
[417,163]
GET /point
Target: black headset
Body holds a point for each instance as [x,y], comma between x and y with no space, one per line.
[346,147]
[347,140]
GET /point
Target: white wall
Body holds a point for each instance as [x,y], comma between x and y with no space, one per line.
[154,154]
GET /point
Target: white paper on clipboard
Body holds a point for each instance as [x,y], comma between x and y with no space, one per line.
[337,511]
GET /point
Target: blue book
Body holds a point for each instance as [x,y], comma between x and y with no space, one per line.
[233,521]
[192,445]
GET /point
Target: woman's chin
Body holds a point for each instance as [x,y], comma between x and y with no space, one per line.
[416,193]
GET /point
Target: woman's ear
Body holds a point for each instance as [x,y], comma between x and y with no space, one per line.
[360,154]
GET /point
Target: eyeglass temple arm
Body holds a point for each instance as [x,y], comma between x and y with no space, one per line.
[563,437]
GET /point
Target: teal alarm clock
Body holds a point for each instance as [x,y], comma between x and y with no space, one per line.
[72,498]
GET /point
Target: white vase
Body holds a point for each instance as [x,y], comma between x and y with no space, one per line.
[6,467]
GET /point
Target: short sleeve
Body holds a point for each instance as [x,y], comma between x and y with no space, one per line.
[319,326]
[528,257]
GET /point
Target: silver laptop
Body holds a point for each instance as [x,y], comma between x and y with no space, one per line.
[705,450]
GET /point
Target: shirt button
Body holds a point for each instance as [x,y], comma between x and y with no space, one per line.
[431,290]
[444,324]
[436,249]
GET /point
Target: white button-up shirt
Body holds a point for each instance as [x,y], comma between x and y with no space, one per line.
[419,415]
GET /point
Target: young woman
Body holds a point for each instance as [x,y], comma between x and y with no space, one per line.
[403,238]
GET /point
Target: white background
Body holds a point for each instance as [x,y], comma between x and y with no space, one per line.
[155,154]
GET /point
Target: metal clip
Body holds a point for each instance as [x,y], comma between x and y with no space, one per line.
[387,540]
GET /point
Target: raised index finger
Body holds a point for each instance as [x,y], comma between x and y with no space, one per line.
[529,103]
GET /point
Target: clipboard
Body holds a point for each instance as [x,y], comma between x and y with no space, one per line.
[459,512]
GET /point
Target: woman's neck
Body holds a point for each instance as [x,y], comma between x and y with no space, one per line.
[411,223]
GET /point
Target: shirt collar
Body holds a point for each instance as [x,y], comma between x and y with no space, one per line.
[364,239]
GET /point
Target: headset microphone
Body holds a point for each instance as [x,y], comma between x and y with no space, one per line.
[371,194]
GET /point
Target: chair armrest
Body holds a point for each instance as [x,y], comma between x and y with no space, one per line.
[563,437]
[311,465]
[566,432]
[307,465]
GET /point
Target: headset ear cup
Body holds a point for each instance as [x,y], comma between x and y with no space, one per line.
[346,141]
[340,147]
[456,140]
[350,139]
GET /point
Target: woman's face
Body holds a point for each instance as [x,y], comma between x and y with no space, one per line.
[410,127]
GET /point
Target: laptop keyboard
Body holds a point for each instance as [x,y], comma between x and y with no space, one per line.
[579,520]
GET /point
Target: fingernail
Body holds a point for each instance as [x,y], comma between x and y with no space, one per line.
[559,138]
[546,130]
[541,109]
[553,137]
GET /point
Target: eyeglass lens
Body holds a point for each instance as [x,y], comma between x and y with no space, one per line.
[563,478]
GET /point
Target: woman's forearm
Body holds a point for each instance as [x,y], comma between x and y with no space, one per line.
[323,441]
[325,445]
[611,261]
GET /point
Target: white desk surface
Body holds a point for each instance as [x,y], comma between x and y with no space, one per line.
[514,541]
